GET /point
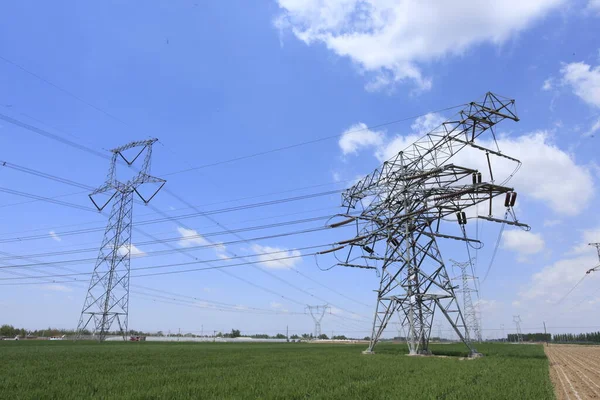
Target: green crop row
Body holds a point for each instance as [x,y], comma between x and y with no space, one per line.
[67,370]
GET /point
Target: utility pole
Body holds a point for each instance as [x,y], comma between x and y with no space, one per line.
[473,330]
[287,333]
[401,206]
[107,297]
[545,333]
[503,335]
[517,321]
[317,313]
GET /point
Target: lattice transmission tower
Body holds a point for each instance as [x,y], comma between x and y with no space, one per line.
[517,321]
[595,269]
[401,206]
[470,314]
[317,313]
[107,297]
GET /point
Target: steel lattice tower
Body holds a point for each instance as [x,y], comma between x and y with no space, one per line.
[473,330]
[317,313]
[402,205]
[107,298]
[517,321]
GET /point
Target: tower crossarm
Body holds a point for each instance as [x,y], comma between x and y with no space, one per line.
[438,146]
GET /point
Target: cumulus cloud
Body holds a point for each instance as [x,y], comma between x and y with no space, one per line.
[595,128]
[554,281]
[133,250]
[191,238]
[584,80]
[391,40]
[547,84]
[275,260]
[522,242]
[54,236]
[587,236]
[358,137]
[548,173]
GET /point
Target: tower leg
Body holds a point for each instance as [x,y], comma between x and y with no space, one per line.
[108,294]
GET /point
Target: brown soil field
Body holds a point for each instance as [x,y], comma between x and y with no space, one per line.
[575,371]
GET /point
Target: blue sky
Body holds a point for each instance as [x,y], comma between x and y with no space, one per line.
[219,80]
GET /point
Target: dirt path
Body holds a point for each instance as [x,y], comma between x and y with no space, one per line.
[575,371]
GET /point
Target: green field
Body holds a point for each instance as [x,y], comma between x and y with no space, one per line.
[67,370]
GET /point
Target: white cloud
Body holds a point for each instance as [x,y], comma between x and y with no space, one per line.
[548,174]
[274,260]
[595,128]
[57,288]
[357,137]
[279,307]
[594,5]
[486,306]
[587,236]
[522,242]
[134,251]
[547,84]
[54,236]
[584,80]
[191,238]
[553,282]
[551,222]
[390,40]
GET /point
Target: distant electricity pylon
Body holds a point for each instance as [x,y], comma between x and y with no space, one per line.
[402,205]
[317,313]
[469,311]
[597,246]
[517,321]
[107,298]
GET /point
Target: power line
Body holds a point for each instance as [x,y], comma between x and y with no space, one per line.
[65,91]
[46,199]
[196,261]
[52,136]
[296,145]
[165,218]
[180,238]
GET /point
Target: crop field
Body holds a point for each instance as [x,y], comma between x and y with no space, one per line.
[67,370]
[575,370]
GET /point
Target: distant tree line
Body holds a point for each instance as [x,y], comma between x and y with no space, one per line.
[10,331]
[593,337]
[530,337]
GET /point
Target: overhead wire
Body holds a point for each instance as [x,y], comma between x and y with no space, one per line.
[36,130]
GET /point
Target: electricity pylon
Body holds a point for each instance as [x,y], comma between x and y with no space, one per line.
[107,297]
[597,246]
[317,313]
[517,321]
[402,205]
[470,314]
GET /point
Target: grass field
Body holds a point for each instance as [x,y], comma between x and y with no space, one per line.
[67,370]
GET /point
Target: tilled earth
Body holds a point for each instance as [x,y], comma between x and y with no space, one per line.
[575,371]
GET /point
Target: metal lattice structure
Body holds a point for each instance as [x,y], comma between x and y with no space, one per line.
[471,316]
[401,206]
[595,269]
[317,313]
[107,297]
[517,321]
